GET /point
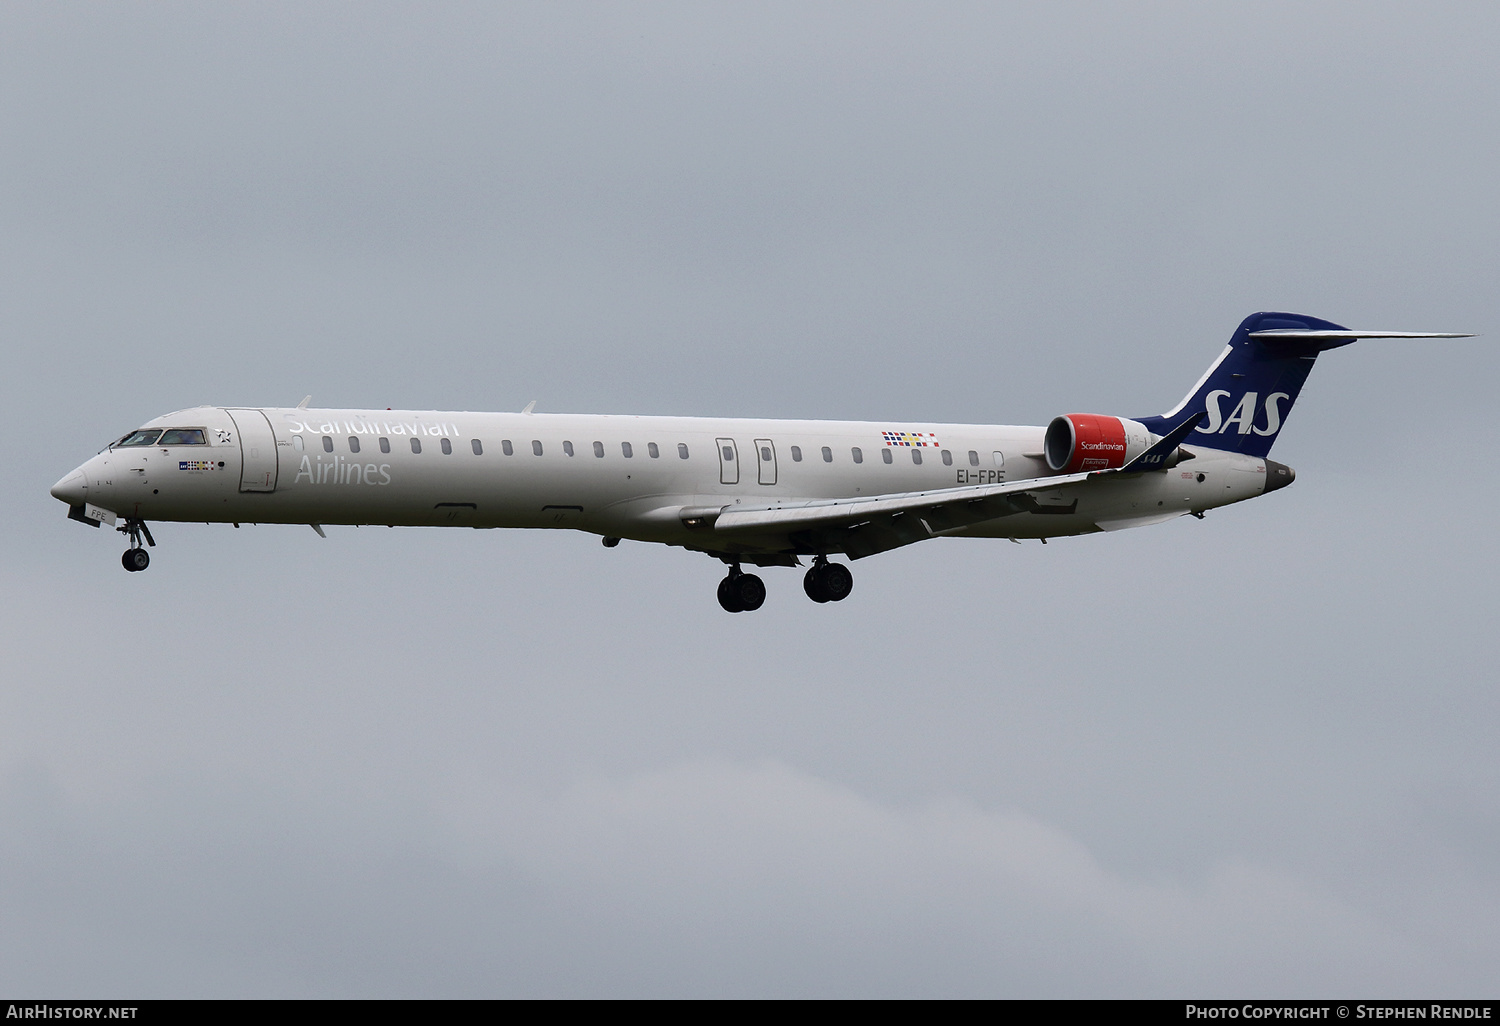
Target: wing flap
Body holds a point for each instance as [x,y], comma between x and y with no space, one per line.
[882,522]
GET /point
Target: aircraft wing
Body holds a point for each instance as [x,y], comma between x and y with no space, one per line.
[864,526]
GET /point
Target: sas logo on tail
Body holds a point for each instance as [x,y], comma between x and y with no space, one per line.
[1243,415]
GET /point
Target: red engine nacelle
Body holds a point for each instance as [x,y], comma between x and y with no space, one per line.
[1089,441]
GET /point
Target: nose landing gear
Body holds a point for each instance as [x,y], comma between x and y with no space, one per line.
[828,582]
[741,592]
[136,558]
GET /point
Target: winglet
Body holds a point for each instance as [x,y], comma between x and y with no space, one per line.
[303,404]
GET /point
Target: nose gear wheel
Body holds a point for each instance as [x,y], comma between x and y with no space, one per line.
[135,558]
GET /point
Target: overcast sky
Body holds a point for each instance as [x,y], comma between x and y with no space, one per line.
[1252,755]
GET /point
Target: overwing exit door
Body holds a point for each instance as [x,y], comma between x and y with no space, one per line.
[765,460]
[729,461]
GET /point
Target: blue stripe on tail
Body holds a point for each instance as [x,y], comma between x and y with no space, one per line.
[1249,391]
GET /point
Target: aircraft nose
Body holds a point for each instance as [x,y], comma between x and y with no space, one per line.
[72,489]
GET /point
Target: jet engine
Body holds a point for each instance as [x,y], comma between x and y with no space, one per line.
[1089,441]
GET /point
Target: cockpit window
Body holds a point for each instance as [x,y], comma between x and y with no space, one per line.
[145,436]
[182,436]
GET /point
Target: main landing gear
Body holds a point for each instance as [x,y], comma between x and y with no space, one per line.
[828,582]
[136,558]
[741,592]
[825,582]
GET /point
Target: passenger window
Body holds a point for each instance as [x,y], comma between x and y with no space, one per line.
[796,454]
[297,443]
[858,454]
[447,447]
[385,445]
[626,450]
[182,436]
[145,436]
[416,445]
[765,453]
[474,444]
[567,448]
[328,443]
[728,453]
[827,454]
[885,454]
[654,452]
[999,459]
[973,458]
[353,444]
[947,458]
[916,456]
[506,447]
[682,450]
[536,447]
[599,450]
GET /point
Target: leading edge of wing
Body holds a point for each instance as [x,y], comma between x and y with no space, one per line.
[837,512]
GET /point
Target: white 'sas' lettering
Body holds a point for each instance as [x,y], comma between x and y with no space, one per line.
[1243,415]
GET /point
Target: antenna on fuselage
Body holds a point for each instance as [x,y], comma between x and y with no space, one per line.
[303,404]
[529,406]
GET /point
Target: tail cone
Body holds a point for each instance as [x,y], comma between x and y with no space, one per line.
[1278,475]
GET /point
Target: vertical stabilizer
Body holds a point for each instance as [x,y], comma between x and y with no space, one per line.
[1249,390]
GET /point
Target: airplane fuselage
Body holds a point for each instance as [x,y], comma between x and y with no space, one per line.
[641,478]
[763,492]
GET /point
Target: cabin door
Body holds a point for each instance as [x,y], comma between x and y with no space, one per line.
[257,451]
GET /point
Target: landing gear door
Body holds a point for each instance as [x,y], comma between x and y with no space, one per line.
[765,459]
[257,451]
[729,461]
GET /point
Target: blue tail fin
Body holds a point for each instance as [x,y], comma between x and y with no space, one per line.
[1250,389]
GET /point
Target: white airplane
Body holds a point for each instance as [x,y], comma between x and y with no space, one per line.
[762,492]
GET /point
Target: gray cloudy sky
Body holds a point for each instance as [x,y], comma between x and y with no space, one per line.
[1253,755]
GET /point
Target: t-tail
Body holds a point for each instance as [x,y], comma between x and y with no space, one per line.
[1243,399]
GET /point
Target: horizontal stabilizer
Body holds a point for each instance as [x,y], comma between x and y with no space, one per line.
[1311,335]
